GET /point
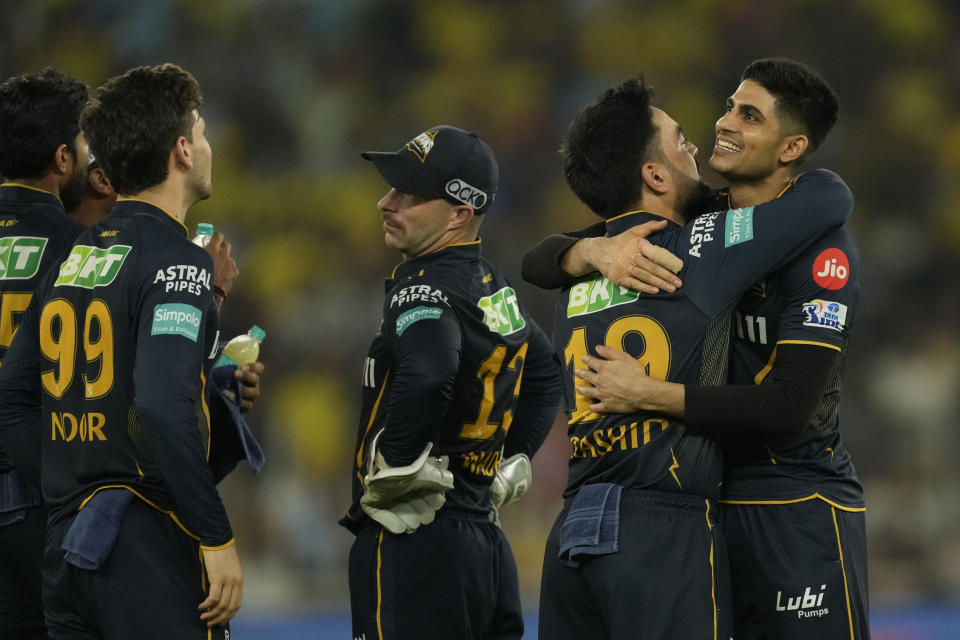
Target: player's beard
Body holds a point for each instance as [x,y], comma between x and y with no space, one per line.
[692,195]
[71,194]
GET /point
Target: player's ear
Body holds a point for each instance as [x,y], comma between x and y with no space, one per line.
[100,183]
[460,216]
[655,177]
[793,147]
[62,159]
[180,155]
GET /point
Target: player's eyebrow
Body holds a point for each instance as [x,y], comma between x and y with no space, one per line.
[745,107]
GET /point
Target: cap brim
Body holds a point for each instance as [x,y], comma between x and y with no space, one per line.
[398,173]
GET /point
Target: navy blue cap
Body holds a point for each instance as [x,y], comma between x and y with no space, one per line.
[442,162]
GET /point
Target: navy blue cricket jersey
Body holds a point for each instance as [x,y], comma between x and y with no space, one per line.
[680,337]
[810,301]
[117,347]
[458,362]
[34,233]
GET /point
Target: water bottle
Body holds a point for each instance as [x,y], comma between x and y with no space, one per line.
[243,349]
[204,233]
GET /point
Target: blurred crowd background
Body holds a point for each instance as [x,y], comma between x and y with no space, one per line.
[295,89]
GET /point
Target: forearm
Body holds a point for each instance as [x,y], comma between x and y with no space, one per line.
[784,405]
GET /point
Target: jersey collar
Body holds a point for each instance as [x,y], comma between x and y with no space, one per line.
[619,224]
[452,254]
[131,206]
[16,193]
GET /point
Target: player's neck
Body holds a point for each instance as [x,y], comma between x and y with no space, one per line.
[47,183]
[748,194]
[169,196]
[663,206]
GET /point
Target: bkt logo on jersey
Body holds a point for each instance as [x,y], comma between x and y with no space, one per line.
[20,257]
[463,192]
[595,295]
[90,267]
[501,313]
[825,314]
[807,604]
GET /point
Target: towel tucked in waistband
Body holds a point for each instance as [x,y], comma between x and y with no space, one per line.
[592,525]
[94,531]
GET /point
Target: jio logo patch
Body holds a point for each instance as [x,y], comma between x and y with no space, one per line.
[831,269]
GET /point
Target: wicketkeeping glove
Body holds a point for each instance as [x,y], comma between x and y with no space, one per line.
[404,498]
[512,480]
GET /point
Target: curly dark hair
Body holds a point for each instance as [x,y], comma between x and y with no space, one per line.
[805,103]
[38,113]
[607,143]
[134,121]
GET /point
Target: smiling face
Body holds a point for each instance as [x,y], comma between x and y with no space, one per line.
[749,136]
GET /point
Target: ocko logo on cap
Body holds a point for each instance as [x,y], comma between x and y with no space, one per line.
[460,190]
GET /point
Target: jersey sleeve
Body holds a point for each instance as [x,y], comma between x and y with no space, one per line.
[541,265]
[540,392]
[727,251]
[822,289]
[169,384]
[426,339]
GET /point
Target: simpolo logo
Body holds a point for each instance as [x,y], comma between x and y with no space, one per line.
[739,226]
[416,314]
[460,190]
[590,296]
[501,312]
[20,257]
[90,267]
[174,319]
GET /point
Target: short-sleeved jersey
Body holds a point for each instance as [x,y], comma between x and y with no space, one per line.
[682,336]
[118,347]
[811,301]
[34,233]
[457,298]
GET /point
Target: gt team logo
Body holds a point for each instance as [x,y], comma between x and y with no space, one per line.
[20,257]
[825,314]
[590,296]
[831,269]
[175,319]
[90,267]
[422,144]
[415,315]
[807,605]
[501,312]
[739,226]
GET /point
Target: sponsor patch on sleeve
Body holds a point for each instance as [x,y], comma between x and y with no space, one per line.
[739,227]
[175,319]
[825,314]
[418,293]
[407,318]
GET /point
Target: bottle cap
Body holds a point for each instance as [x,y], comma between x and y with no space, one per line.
[257,333]
[204,229]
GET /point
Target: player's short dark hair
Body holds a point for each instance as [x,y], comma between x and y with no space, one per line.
[606,145]
[38,113]
[804,100]
[134,121]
